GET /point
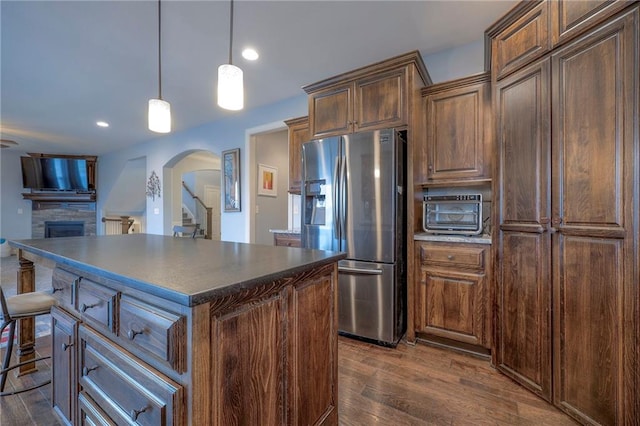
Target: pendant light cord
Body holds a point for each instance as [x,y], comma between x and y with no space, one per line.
[159,54]
[230,32]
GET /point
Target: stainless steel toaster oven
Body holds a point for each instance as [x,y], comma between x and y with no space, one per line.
[459,214]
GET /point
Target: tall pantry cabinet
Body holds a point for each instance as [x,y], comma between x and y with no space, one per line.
[567,265]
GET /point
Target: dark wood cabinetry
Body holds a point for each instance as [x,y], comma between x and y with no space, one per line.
[567,294]
[298,134]
[452,294]
[286,239]
[457,137]
[375,97]
[64,332]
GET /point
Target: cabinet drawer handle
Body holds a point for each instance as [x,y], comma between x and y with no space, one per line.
[131,334]
[57,289]
[135,413]
[87,370]
[66,346]
[451,257]
[84,307]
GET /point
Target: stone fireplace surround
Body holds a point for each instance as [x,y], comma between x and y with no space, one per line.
[51,211]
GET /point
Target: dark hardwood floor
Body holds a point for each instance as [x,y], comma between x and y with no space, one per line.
[409,385]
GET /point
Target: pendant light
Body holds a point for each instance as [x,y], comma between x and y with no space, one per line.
[159,109]
[230,86]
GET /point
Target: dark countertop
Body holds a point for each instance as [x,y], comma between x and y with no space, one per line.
[184,270]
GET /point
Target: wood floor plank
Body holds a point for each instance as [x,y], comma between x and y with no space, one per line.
[406,386]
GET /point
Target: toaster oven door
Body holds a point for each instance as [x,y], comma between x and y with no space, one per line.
[452,217]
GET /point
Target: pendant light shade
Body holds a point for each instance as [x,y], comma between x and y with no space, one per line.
[159,109]
[230,87]
[159,116]
[230,81]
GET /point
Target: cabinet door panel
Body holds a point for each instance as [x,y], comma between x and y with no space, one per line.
[524,136]
[453,306]
[588,145]
[298,134]
[314,345]
[248,365]
[381,101]
[64,356]
[456,133]
[524,297]
[330,111]
[522,41]
[570,17]
[589,288]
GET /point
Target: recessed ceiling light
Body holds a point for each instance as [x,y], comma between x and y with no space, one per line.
[102,124]
[250,54]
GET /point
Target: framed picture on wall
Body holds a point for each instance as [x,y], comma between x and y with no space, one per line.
[267,180]
[231,179]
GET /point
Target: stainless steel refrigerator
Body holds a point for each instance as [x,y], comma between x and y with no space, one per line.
[352,196]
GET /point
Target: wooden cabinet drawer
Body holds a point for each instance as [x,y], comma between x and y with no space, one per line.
[90,413]
[63,285]
[97,304]
[521,42]
[127,390]
[287,240]
[452,256]
[154,331]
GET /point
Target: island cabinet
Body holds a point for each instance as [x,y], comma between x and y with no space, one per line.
[458,131]
[298,134]
[568,223]
[452,305]
[378,96]
[194,332]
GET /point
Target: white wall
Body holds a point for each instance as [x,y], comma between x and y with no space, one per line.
[458,62]
[13,225]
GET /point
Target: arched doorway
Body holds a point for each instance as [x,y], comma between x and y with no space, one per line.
[191,188]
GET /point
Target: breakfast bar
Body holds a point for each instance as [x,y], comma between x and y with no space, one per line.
[154,329]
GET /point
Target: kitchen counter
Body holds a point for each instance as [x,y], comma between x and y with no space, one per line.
[480,239]
[183,270]
[164,330]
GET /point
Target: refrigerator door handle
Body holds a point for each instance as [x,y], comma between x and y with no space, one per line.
[361,271]
[336,185]
[344,197]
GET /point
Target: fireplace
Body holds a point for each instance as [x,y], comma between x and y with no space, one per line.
[63,228]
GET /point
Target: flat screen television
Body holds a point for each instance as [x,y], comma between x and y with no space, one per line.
[54,174]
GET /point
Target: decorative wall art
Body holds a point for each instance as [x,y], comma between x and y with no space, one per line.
[153,186]
[267,180]
[231,179]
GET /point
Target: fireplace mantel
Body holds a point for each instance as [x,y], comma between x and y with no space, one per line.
[67,196]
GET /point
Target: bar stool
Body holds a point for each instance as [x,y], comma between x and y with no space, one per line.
[17,307]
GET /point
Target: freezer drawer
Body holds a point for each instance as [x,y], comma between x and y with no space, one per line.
[368,301]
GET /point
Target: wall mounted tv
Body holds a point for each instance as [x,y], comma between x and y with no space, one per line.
[54,174]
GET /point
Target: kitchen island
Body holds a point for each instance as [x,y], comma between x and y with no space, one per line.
[163,330]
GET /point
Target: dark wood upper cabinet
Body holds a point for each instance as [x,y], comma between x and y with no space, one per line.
[457,137]
[378,96]
[521,36]
[569,17]
[568,219]
[298,134]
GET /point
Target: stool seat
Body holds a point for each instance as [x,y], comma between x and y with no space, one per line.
[30,304]
[12,309]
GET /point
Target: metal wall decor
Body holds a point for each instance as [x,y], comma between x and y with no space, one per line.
[153,186]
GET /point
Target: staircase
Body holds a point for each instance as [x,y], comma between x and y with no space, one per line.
[187,220]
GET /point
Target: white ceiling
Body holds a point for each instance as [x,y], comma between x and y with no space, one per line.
[67,64]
